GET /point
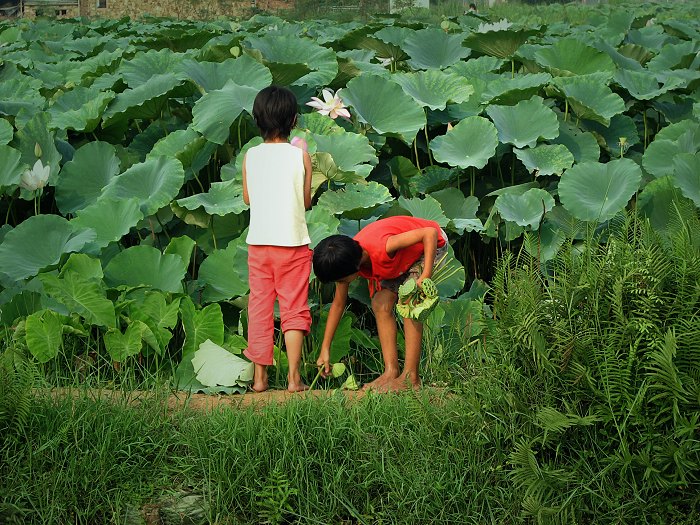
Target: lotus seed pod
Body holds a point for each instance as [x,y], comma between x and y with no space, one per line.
[422,311]
[429,288]
[403,310]
[338,369]
[407,288]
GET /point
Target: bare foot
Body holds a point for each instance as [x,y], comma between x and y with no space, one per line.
[404,382]
[382,382]
[260,382]
[295,384]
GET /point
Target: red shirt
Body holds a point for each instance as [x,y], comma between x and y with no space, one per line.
[373,239]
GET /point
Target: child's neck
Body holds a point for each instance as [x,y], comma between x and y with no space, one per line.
[276,140]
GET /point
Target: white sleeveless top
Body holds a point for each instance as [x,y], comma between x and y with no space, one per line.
[275,179]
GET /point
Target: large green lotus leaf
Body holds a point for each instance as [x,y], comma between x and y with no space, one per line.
[383,105]
[673,56]
[294,50]
[434,88]
[142,102]
[17,94]
[224,273]
[570,57]
[324,169]
[11,167]
[6,133]
[146,266]
[84,265]
[590,99]
[121,346]
[621,133]
[686,175]
[79,109]
[583,145]
[432,48]
[622,61]
[355,199]
[82,296]
[545,242]
[433,178]
[183,144]
[525,123]
[221,199]
[200,325]
[320,225]
[509,91]
[499,43]
[526,209]
[183,247]
[154,182]
[44,335]
[216,366]
[644,85]
[186,381]
[454,283]
[459,209]
[39,242]
[214,113]
[472,142]
[659,202]
[597,192]
[385,43]
[104,63]
[36,131]
[658,158]
[483,67]
[159,315]
[82,179]
[546,159]
[245,71]
[402,170]
[349,150]
[111,219]
[425,208]
[674,107]
[144,65]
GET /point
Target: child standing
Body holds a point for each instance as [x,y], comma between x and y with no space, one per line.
[386,252]
[277,186]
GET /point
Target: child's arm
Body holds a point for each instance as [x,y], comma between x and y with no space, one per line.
[428,236]
[307,180]
[246,199]
[335,314]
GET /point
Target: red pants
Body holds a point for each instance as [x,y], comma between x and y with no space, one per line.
[280,272]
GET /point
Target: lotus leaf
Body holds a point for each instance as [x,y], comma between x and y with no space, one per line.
[497,42]
[525,123]
[20,94]
[597,192]
[6,133]
[224,273]
[570,57]
[673,56]
[590,99]
[214,113]
[183,144]
[582,145]
[349,151]
[44,335]
[509,91]
[425,208]
[36,131]
[545,243]
[686,176]
[472,142]
[144,65]
[545,159]
[11,167]
[221,199]
[432,48]
[644,85]
[527,209]
[433,88]
[617,137]
[216,366]
[144,101]
[245,71]
[182,247]
[79,109]
[121,346]
[658,157]
[146,266]
[659,202]
[83,296]
[355,199]
[200,325]
[110,219]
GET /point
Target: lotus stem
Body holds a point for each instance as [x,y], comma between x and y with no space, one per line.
[318,374]
[213,233]
[472,176]
[644,117]
[9,208]
[566,109]
[427,141]
[512,67]
[415,150]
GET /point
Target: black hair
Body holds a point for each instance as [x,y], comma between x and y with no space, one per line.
[472,6]
[275,112]
[336,257]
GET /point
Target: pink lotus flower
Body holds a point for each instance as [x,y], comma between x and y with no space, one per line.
[331,105]
[299,143]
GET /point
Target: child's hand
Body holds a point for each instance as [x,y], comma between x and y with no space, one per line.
[324,361]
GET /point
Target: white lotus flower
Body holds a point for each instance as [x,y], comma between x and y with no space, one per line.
[331,105]
[385,61]
[37,177]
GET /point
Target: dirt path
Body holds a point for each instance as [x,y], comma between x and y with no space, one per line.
[176,400]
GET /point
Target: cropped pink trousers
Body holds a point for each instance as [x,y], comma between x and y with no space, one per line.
[282,273]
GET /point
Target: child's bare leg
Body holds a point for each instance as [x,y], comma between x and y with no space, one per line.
[260,381]
[293,340]
[413,334]
[383,304]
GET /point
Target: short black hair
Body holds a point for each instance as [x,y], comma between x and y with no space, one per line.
[336,257]
[275,112]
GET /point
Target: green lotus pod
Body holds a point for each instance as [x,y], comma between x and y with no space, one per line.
[407,288]
[350,383]
[429,288]
[338,369]
[424,309]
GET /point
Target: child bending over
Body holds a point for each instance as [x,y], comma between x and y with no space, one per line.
[386,253]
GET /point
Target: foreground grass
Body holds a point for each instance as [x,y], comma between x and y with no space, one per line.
[384,459]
